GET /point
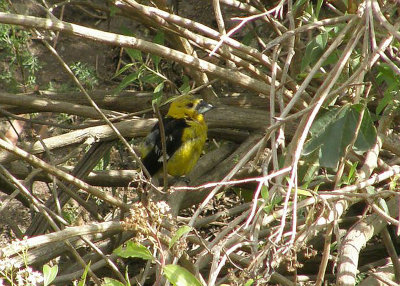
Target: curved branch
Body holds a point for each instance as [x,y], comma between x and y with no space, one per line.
[135,43]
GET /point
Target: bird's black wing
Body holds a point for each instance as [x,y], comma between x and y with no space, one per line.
[173,138]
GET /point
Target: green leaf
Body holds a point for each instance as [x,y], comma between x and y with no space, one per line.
[111,282]
[298,4]
[106,159]
[126,31]
[123,69]
[353,170]
[318,8]
[159,88]
[387,77]
[367,134]
[245,194]
[185,87]
[332,59]
[179,233]
[380,201]
[152,78]
[158,39]
[135,54]
[128,282]
[127,81]
[49,274]
[264,192]
[134,250]
[334,129]
[248,38]
[350,178]
[113,10]
[385,101]
[179,276]
[314,50]
[249,282]
[82,281]
[303,192]
[276,199]
[309,170]
[157,98]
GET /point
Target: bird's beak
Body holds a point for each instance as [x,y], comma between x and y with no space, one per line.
[203,107]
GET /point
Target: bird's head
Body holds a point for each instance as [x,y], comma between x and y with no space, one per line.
[188,106]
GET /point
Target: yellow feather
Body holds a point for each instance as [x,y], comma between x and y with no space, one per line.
[191,141]
[186,157]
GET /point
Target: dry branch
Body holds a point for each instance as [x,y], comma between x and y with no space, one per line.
[62,235]
[134,43]
[356,239]
[254,236]
[41,104]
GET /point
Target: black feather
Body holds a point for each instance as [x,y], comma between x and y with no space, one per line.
[173,138]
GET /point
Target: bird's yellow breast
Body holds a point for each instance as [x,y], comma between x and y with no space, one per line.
[185,135]
[185,158]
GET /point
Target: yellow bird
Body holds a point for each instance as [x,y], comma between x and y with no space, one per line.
[185,136]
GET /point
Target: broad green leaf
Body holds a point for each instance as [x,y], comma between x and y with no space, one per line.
[332,59]
[179,233]
[134,250]
[249,282]
[314,50]
[134,54]
[334,129]
[49,274]
[111,282]
[387,77]
[367,134]
[179,276]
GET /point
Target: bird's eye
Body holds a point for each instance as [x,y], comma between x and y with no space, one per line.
[189,105]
